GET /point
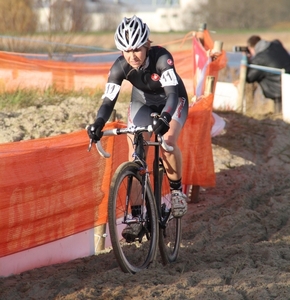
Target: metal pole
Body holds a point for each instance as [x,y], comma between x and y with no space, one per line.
[267,69]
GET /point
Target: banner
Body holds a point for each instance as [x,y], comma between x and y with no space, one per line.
[200,63]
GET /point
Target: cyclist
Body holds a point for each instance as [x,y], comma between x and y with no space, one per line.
[156,88]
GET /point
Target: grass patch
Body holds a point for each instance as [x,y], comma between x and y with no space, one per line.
[23,98]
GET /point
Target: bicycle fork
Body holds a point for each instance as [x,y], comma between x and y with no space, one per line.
[141,201]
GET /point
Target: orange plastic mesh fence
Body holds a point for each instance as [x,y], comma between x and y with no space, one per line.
[198,165]
[200,59]
[19,72]
[215,66]
[51,188]
[195,143]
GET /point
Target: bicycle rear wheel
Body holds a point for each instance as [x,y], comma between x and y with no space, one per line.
[170,227]
[126,187]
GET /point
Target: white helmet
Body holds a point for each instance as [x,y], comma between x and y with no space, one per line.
[131,34]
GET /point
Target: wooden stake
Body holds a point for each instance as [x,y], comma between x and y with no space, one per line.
[241,107]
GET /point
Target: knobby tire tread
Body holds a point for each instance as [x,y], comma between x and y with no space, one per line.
[123,171]
[168,255]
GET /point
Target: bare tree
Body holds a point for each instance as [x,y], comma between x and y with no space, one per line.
[17,17]
[246,14]
[80,18]
[58,18]
[69,16]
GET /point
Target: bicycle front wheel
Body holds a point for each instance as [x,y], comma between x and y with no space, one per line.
[170,227]
[125,191]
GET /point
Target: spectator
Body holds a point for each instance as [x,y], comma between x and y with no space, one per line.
[269,54]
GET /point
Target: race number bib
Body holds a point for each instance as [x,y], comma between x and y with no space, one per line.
[168,78]
[111,91]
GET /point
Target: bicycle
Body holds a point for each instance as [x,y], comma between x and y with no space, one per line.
[133,179]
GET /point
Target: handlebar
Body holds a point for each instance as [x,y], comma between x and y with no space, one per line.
[129,130]
[101,150]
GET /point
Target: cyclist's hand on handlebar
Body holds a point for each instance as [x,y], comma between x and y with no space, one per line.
[95,130]
[162,124]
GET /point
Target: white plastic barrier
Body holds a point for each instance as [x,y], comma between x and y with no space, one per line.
[218,126]
[286,97]
[226,96]
[79,245]
[63,250]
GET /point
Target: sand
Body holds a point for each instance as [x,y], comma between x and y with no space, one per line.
[235,242]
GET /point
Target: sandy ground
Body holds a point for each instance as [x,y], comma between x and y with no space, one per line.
[236,241]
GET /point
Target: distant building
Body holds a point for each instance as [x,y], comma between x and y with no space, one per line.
[160,15]
[166,15]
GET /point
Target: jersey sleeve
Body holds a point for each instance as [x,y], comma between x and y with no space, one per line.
[168,80]
[112,89]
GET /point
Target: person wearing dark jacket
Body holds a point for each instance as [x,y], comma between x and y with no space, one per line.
[269,54]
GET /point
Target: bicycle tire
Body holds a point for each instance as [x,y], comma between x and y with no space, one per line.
[170,233]
[134,256]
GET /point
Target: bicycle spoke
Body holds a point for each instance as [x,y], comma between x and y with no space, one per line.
[170,229]
[126,191]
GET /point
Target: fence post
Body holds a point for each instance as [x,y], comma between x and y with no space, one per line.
[217,47]
[285,78]
[209,85]
[241,107]
[100,238]
[100,231]
[200,35]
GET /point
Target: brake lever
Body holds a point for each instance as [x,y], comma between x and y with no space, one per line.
[90,145]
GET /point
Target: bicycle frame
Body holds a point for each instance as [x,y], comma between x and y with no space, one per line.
[139,154]
[157,222]
[140,157]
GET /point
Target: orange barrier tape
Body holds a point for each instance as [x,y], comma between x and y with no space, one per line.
[18,72]
[198,165]
[51,188]
[201,61]
[195,143]
[215,66]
